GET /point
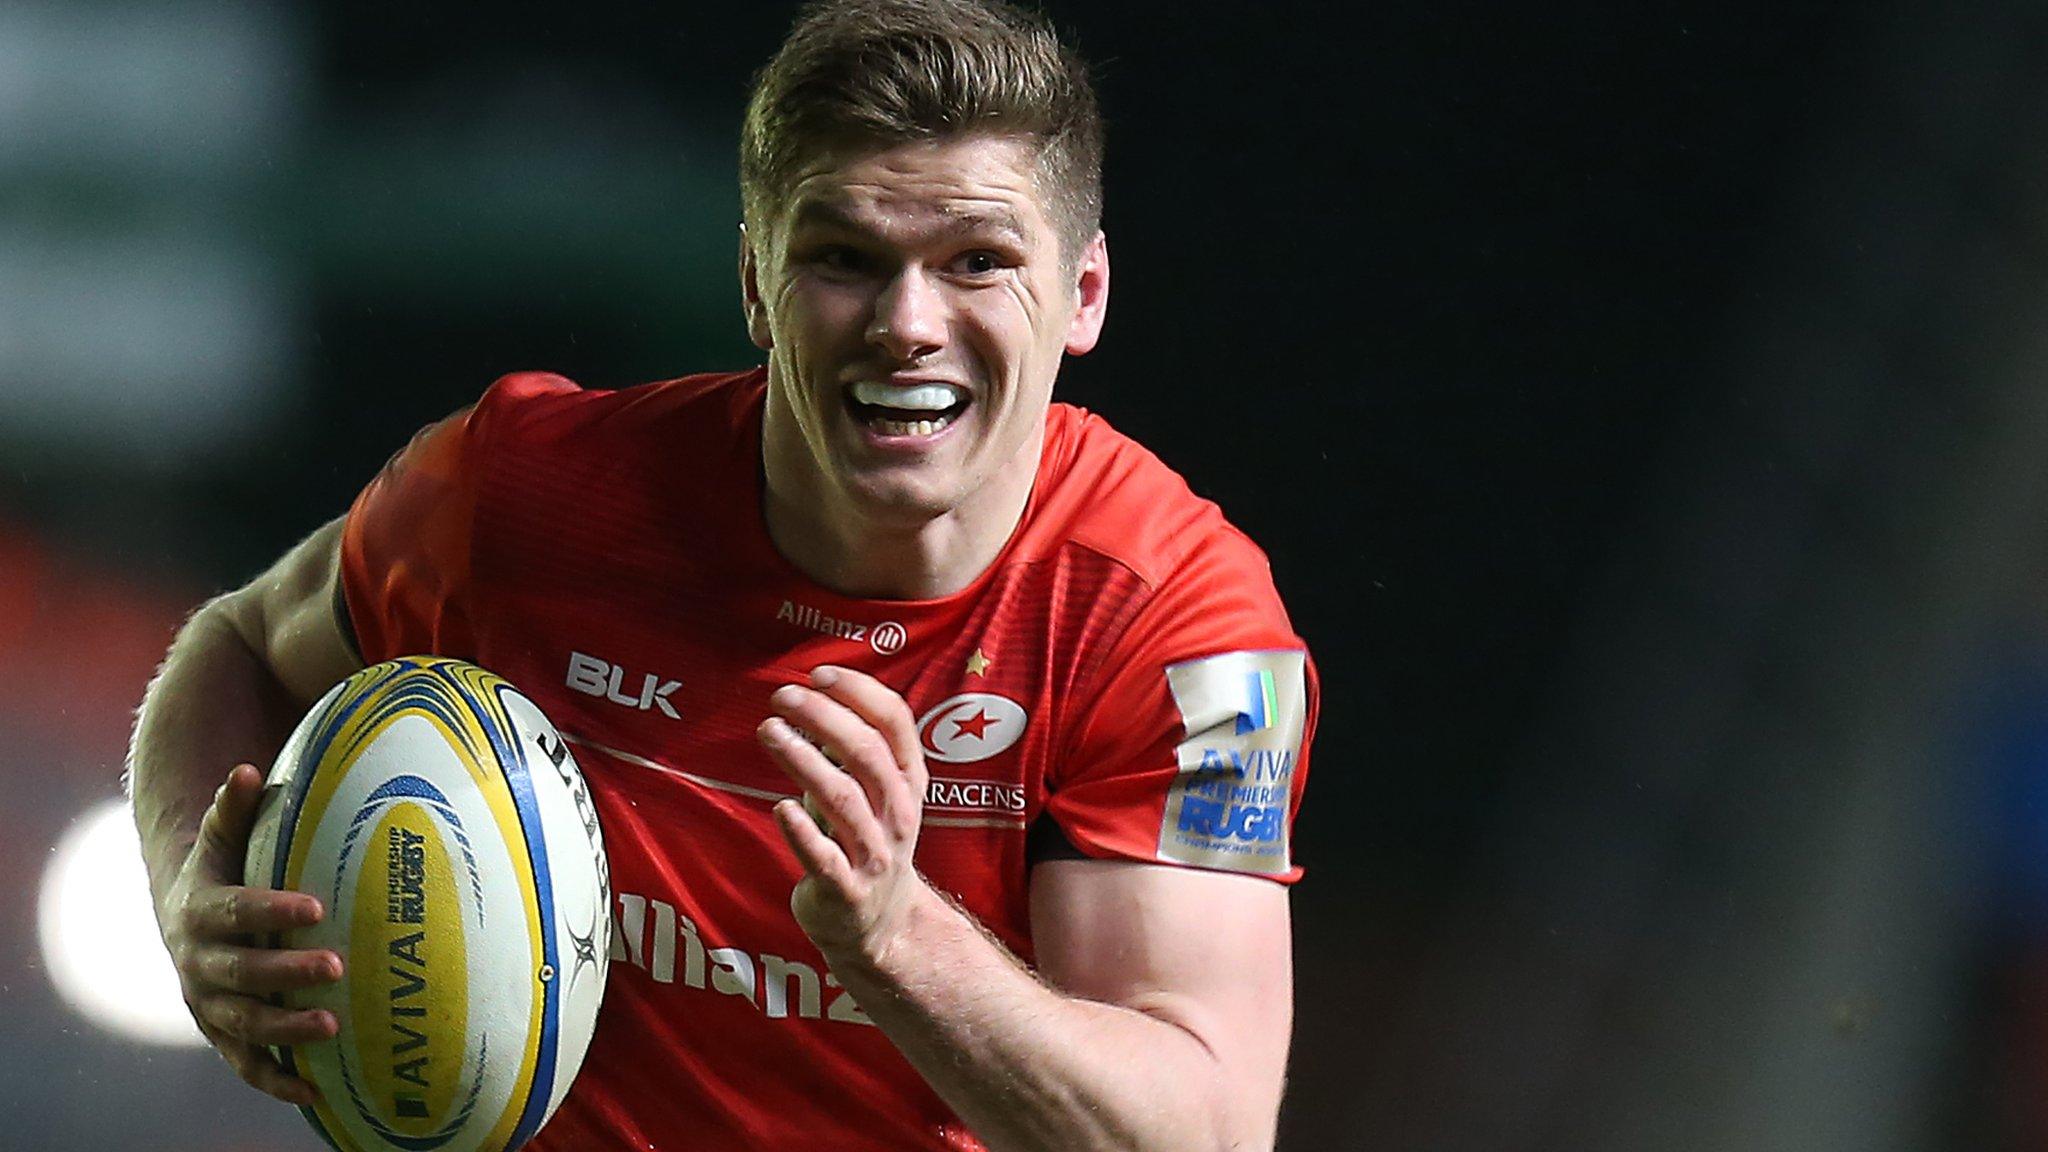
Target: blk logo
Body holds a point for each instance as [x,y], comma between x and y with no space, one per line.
[594,677]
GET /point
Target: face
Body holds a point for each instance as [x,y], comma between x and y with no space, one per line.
[915,305]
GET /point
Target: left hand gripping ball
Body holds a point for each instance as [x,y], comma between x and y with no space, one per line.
[447,828]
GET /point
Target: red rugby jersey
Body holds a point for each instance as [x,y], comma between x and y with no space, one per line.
[1124,668]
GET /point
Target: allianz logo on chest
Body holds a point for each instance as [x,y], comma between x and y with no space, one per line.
[654,936]
[607,681]
[886,638]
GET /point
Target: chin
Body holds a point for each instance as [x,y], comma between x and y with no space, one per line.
[901,495]
[904,504]
[930,483]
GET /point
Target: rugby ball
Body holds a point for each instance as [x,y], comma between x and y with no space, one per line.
[445,825]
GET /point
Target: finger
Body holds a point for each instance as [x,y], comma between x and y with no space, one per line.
[859,748]
[825,788]
[251,1021]
[845,803]
[224,830]
[261,971]
[232,910]
[257,1067]
[880,705]
[820,855]
[816,813]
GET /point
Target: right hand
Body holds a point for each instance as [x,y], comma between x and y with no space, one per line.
[210,922]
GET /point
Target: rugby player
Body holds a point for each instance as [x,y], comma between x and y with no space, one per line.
[947,747]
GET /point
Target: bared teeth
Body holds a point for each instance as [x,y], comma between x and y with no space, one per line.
[918,397]
[909,427]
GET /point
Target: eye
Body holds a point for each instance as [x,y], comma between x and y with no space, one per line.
[837,258]
[980,263]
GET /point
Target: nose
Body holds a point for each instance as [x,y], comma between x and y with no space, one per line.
[910,317]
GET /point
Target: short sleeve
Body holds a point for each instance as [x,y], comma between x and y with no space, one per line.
[406,545]
[1192,748]
[409,538]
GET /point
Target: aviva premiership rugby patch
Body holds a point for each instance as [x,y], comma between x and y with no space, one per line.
[1244,713]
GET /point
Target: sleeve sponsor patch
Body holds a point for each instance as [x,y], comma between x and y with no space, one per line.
[1243,713]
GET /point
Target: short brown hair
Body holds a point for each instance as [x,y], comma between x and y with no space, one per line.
[886,72]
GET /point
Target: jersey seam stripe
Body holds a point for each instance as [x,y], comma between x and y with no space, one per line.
[764,794]
[973,822]
[669,770]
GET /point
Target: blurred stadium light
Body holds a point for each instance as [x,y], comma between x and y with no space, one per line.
[78,637]
[99,937]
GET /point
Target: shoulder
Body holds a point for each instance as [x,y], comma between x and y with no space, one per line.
[542,407]
[1112,496]
[598,473]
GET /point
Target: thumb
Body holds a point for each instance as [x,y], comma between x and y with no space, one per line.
[224,832]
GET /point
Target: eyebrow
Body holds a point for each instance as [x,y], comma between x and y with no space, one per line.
[819,213]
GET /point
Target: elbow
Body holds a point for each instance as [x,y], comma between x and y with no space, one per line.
[236,616]
[1243,1104]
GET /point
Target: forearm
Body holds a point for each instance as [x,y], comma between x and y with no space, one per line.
[228,694]
[1028,1067]
[213,704]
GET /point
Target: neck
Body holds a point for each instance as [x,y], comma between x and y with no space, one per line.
[886,553]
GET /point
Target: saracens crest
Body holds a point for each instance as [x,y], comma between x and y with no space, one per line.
[970,726]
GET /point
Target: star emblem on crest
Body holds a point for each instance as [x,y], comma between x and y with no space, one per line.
[977,727]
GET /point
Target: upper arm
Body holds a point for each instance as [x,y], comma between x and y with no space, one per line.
[290,616]
[1210,952]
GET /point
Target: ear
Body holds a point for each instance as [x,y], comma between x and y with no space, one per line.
[1091,295]
[750,294]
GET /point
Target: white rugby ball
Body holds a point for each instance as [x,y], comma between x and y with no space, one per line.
[445,825]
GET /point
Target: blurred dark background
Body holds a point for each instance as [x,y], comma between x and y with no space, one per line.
[1642,406]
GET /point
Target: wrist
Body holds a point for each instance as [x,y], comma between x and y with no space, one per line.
[879,956]
[163,861]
